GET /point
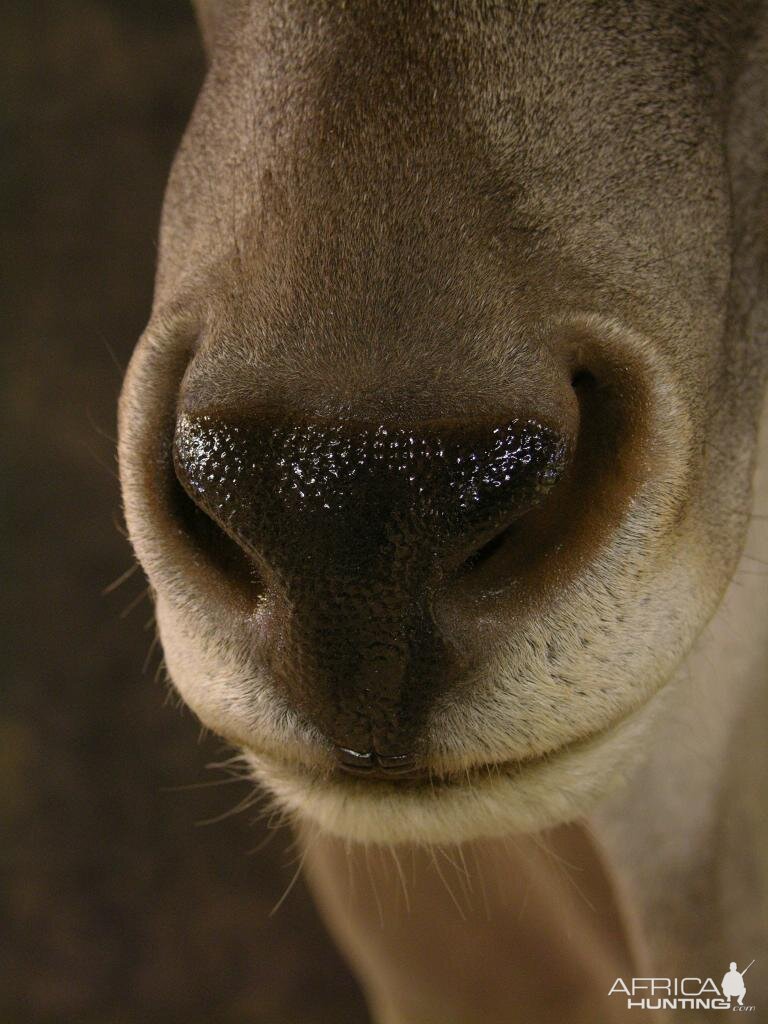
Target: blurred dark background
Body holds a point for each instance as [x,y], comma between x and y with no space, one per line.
[117,905]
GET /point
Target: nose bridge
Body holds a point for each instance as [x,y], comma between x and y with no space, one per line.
[352,529]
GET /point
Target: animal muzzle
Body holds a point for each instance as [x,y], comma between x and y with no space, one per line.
[350,536]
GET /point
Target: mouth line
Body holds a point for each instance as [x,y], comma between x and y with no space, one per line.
[425,779]
[435,783]
[485,799]
[510,768]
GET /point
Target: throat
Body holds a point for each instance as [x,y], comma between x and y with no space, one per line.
[537,914]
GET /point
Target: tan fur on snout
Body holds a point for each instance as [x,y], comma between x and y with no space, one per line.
[384,211]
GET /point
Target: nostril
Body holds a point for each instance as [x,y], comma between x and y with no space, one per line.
[517,517]
[583,380]
[208,538]
[487,551]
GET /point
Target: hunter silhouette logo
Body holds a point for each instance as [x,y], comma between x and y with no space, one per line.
[688,993]
[733,983]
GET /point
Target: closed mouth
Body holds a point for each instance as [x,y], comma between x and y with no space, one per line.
[425,778]
[487,798]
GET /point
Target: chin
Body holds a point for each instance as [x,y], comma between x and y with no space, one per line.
[487,801]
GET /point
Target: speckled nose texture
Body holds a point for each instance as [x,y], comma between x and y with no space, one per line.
[352,530]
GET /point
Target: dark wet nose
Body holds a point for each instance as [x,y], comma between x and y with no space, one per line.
[352,530]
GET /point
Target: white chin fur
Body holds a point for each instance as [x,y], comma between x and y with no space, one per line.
[542,794]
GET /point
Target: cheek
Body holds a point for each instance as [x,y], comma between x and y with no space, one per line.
[200,670]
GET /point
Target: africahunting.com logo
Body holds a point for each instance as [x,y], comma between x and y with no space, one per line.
[686,993]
